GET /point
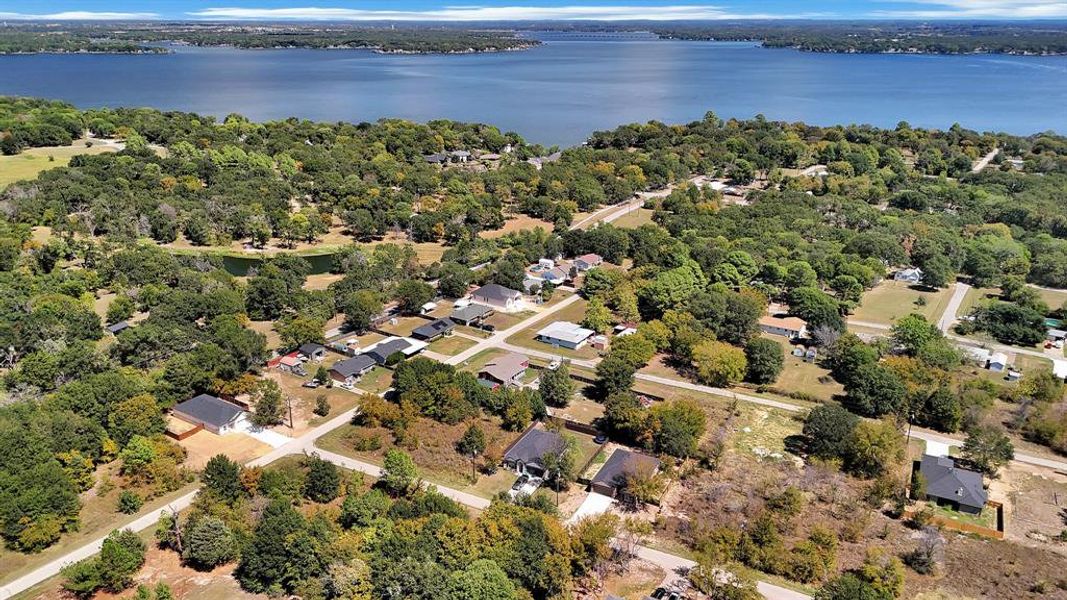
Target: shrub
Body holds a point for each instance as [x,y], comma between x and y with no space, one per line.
[129,502]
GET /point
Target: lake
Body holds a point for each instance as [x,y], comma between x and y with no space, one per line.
[562,91]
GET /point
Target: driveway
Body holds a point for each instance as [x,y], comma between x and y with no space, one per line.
[593,505]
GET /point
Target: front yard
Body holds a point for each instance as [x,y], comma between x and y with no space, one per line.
[450,345]
[574,312]
[890,300]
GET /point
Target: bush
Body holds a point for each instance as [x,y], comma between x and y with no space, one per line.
[129,502]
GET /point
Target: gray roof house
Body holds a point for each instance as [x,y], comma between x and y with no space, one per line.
[313,351]
[472,313]
[497,296]
[434,329]
[436,158]
[350,369]
[525,455]
[947,484]
[214,414]
[620,465]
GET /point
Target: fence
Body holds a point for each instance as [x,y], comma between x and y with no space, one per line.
[947,523]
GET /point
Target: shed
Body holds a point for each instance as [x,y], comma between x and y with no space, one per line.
[214,414]
[998,361]
[118,328]
[313,351]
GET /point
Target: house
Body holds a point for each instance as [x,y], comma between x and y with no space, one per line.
[526,455]
[911,275]
[312,351]
[383,350]
[1053,335]
[117,328]
[507,370]
[349,370]
[293,363]
[438,158]
[460,156]
[472,314]
[789,327]
[625,329]
[434,329]
[949,485]
[532,285]
[565,334]
[621,465]
[498,296]
[998,361]
[213,414]
[587,261]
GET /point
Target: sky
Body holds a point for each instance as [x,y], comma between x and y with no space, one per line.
[515,10]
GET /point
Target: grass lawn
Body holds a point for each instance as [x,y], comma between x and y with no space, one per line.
[1031,364]
[974,296]
[274,341]
[476,362]
[574,313]
[987,518]
[800,376]
[891,300]
[29,163]
[435,455]
[762,432]
[472,331]
[580,409]
[505,320]
[376,381]
[1054,298]
[404,325]
[634,219]
[451,345]
[515,223]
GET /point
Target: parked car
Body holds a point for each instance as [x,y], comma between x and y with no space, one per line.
[659,593]
[521,481]
[600,439]
[314,383]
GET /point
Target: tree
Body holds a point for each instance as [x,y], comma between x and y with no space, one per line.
[883,571]
[129,502]
[874,390]
[361,510]
[988,448]
[561,462]
[765,360]
[828,429]
[913,332]
[412,295]
[222,478]
[209,542]
[875,448]
[323,482]
[280,552]
[120,309]
[556,386]
[454,280]
[597,316]
[322,405]
[719,364]
[472,444]
[398,472]
[1011,323]
[139,415]
[614,374]
[591,540]
[481,580]
[850,587]
[267,403]
[677,426]
[720,582]
[360,308]
[299,330]
[816,307]
[121,556]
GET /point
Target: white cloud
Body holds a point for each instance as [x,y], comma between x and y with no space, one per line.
[80,15]
[978,9]
[481,13]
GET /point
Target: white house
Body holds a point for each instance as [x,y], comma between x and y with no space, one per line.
[499,297]
[587,261]
[565,335]
[213,414]
[911,275]
[789,327]
[998,362]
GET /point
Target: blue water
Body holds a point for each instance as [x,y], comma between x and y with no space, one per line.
[560,92]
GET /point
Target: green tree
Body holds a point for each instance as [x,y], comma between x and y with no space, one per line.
[360,308]
[139,415]
[299,330]
[719,364]
[874,390]
[398,472]
[614,374]
[765,360]
[222,478]
[121,556]
[411,295]
[829,429]
[988,448]
[875,448]
[677,426]
[481,580]
[323,482]
[597,316]
[913,332]
[556,387]
[472,443]
[129,502]
[208,543]
[267,403]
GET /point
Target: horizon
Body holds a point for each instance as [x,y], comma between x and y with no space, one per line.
[519,11]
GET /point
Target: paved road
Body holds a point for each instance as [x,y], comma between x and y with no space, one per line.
[984,161]
[948,318]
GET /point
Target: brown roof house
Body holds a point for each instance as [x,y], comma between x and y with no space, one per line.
[507,370]
[789,327]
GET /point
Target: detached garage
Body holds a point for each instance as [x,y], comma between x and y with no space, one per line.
[213,414]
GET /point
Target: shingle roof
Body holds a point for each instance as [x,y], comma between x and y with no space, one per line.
[532,446]
[495,291]
[945,480]
[790,323]
[353,366]
[506,367]
[311,348]
[471,312]
[209,410]
[433,328]
[118,327]
[623,463]
[384,350]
